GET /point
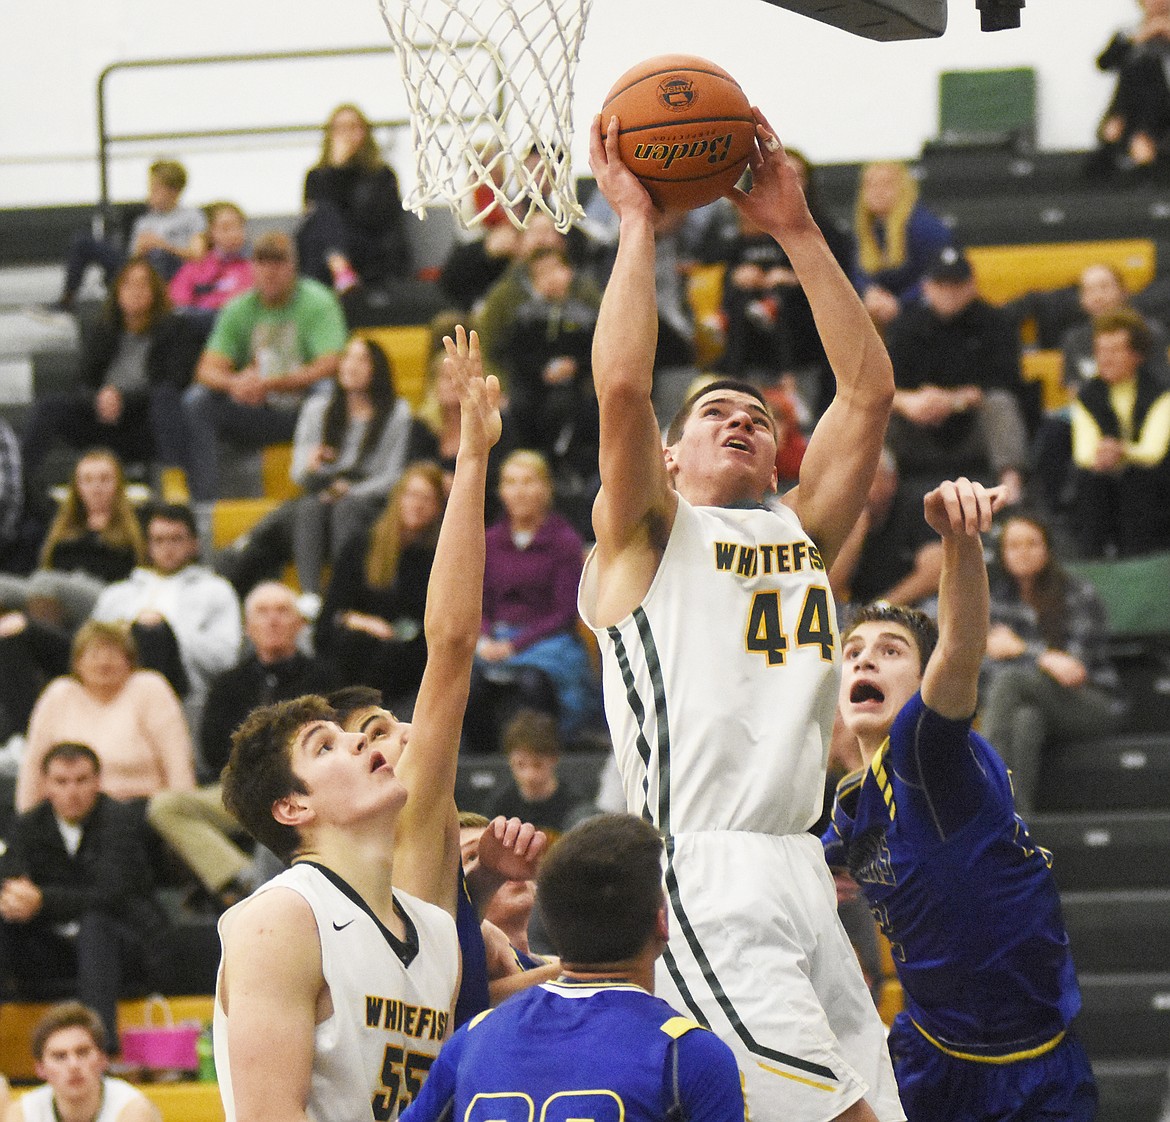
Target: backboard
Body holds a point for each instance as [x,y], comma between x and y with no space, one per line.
[883,20]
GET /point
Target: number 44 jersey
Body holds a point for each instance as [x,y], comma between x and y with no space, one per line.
[721,687]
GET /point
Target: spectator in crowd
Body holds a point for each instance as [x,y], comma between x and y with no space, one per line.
[167,234]
[547,349]
[134,362]
[1100,290]
[131,718]
[184,619]
[529,652]
[535,793]
[349,450]
[600,895]
[439,411]
[69,1044]
[769,324]
[500,305]
[957,368]
[194,823]
[891,553]
[1121,438]
[204,285]
[1136,127]
[77,907]
[898,238]
[1048,675]
[371,621]
[354,230]
[94,539]
[474,265]
[268,349]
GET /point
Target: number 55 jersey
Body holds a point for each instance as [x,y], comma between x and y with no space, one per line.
[392,999]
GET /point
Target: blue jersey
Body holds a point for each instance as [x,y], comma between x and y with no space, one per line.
[473,983]
[563,1050]
[966,898]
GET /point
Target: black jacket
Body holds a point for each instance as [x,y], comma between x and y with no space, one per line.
[110,872]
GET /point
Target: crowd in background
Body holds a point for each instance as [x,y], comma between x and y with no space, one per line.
[123,630]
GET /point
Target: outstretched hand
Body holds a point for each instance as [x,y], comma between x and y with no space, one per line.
[776,202]
[962,507]
[479,397]
[620,186]
[511,849]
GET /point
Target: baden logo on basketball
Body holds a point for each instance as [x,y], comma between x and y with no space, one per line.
[677,93]
[712,151]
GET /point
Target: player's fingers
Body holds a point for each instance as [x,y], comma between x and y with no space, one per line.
[970,503]
[767,135]
[524,838]
[538,844]
[512,828]
[498,825]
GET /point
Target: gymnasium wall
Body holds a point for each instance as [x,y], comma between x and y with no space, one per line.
[838,97]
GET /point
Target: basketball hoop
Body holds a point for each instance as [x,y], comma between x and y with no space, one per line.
[490,87]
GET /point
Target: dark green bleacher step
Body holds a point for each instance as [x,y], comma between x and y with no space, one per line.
[1109,773]
[1119,931]
[1125,1016]
[1130,1090]
[1102,849]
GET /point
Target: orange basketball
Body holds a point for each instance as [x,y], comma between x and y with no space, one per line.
[686,128]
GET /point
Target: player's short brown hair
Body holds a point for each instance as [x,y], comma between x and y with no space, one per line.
[922,628]
[68,1014]
[600,890]
[259,772]
[679,421]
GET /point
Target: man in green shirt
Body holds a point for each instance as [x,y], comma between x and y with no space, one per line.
[269,347]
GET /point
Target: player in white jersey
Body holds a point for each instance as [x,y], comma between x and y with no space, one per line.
[721,659]
[69,1046]
[335,987]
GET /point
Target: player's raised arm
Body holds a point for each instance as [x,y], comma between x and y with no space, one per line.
[427,841]
[634,483]
[842,455]
[959,512]
[271,986]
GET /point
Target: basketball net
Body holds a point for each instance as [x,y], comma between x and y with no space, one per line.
[490,87]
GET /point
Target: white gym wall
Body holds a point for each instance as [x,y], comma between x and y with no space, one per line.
[838,97]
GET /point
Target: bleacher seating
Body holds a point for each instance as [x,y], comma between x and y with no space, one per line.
[1105,814]
[19,1018]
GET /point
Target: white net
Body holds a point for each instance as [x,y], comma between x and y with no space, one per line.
[490,86]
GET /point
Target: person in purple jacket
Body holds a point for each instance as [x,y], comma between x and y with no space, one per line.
[529,651]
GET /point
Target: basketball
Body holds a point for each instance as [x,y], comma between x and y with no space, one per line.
[687,128]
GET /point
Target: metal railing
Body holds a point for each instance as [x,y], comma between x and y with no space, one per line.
[107,139]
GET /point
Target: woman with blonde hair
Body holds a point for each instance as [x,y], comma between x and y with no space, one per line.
[897,238]
[94,539]
[371,621]
[131,718]
[529,653]
[354,230]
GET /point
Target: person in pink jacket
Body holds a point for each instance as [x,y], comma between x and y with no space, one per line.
[206,283]
[131,718]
